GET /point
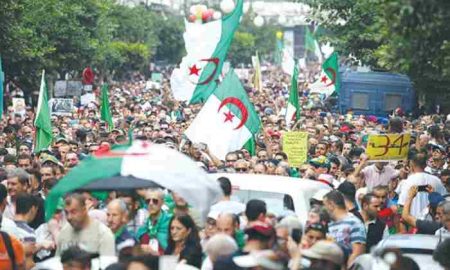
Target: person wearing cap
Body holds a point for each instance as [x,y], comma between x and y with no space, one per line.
[424,226]
[375,228]
[319,166]
[260,236]
[438,161]
[314,232]
[324,255]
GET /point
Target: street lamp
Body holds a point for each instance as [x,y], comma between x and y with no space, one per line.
[258,21]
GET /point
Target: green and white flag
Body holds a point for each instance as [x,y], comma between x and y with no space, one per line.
[43,122]
[228,119]
[105,111]
[257,77]
[293,106]
[312,45]
[207,47]
[329,80]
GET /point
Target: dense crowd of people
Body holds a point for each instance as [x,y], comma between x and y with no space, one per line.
[364,202]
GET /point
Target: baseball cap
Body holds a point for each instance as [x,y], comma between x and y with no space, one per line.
[435,198]
[260,229]
[325,250]
[321,162]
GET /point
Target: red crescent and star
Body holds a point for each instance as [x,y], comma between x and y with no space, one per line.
[194,70]
[229,116]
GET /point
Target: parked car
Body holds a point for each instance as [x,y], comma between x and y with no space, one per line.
[280,193]
[418,247]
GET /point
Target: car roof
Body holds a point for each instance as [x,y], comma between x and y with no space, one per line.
[410,241]
[272,183]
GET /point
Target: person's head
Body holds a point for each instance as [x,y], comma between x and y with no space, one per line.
[72,159]
[144,262]
[381,192]
[26,205]
[220,245]
[225,185]
[440,254]
[3,195]
[317,214]
[24,149]
[262,155]
[370,206]
[347,148]
[324,255]
[47,172]
[76,211]
[260,236]
[419,162]
[314,232]
[281,156]
[260,168]
[334,202]
[446,214]
[117,214]
[24,161]
[280,170]
[286,228]
[227,223]
[75,258]
[321,149]
[241,166]
[230,159]
[183,230]
[155,200]
[18,182]
[334,166]
[255,210]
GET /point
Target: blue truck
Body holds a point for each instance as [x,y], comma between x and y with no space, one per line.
[375,93]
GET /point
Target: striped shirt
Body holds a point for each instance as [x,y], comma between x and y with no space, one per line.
[347,231]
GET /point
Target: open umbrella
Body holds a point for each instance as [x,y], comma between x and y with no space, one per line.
[140,165]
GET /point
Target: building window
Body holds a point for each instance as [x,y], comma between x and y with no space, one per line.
[360,101]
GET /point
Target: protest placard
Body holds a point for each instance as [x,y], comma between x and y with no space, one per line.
[61,106]
[388,146]
[19,106]
[295,145]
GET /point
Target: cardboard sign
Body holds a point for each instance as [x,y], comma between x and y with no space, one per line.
[19,106]
[295,145]
[388,146]
[68,88]
[61,106]
[87,98]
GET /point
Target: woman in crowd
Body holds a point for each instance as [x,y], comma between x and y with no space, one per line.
[184,240]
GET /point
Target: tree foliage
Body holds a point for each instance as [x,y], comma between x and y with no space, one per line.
[410,37]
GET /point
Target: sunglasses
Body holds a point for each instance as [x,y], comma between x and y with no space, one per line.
[241,169]
[153,201]
[231,160]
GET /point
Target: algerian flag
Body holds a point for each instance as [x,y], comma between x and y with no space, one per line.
[227,120]
[2,80]
[312,45]
[257,77]
[293,107]
[104,107]
[329,80]
[43,122]
[207,47]
[287,64]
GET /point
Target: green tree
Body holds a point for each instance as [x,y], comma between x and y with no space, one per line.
[408,37]
[242,48]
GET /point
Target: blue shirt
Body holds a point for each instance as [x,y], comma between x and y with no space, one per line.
[347,231]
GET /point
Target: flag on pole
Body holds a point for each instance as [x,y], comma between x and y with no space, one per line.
[43,122]
[329,80]
[207,47]
[2,81]
[257,77]
[293,106]
[312,45]
[104,107]
[227,120]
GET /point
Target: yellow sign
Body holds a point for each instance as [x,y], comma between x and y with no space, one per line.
[388,146]
[295,145]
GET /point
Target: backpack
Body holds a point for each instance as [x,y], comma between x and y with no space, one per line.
[9,249]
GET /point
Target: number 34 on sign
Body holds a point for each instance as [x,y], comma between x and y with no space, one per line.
[388,146]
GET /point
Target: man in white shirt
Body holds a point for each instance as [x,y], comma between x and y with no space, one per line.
[378,174]
[421,179]
[226,205]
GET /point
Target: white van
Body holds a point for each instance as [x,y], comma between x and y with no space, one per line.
[279,192]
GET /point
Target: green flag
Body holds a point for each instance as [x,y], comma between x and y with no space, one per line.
[329,80]
[312,45]
[207,48]
[227,120]
[104,108]
[293,106]
[2,80]
[43,122]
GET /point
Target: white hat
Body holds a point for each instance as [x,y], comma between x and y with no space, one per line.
[325,250]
